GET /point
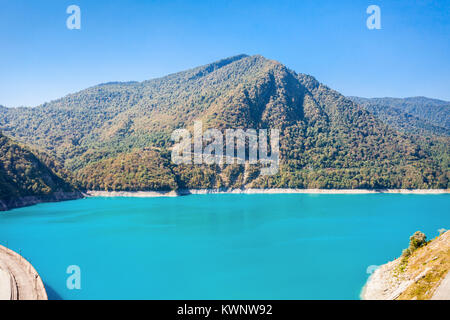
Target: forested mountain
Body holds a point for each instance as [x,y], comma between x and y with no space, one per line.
[417,115]
[116,136]
[23,174]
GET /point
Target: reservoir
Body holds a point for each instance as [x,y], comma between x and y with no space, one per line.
[219,246]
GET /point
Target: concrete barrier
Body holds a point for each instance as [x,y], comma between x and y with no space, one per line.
[24,281]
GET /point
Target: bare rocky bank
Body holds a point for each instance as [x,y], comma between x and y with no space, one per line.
[18,278]
[63,196]
[182,192]
[422,275]
[31,200]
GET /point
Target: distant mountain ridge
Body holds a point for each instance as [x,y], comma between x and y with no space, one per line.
[116,136]
[419,115]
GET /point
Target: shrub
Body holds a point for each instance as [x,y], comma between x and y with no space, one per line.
[417,240]
[406,253]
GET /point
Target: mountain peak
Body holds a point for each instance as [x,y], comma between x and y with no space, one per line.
[96,130]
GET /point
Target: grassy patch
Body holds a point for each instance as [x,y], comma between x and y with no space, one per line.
[432,261]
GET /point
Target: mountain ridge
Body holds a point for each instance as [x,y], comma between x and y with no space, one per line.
[327,140]
[417,115]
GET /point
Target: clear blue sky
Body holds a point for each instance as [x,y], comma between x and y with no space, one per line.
[40,59]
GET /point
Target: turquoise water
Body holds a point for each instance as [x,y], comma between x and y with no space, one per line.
[287,246]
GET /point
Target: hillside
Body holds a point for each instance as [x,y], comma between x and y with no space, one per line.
[25,179]
[417,115]
[116,136]
[417,275]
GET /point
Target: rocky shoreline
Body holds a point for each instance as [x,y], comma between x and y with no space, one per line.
[418,277]
[174,193]
[63,196]
[31,200]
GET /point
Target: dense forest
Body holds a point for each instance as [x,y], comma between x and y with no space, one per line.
[22,173]
[416,115]
[116,136]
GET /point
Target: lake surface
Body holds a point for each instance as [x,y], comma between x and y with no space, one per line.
[228,246]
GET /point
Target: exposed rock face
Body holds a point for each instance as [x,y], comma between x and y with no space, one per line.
[417,277]
[30,200]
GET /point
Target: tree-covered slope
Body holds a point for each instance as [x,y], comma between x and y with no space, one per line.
[23,174]
[115,136]
[416,115]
